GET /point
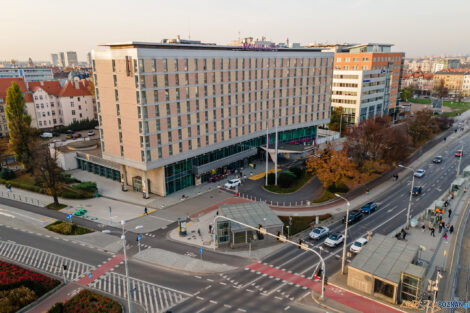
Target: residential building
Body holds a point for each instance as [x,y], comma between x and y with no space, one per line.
[453,80]
[30,74]
[443,64]
[54,59]
[466,85]
[5,83]
[71,58]
[48,111]
[175,115]
[366,79]
[423,82]
[76,101]
[88,58]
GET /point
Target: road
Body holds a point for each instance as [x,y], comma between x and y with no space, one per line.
[242,290]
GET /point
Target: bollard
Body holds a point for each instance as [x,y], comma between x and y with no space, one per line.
[271,202]
[14,196]
[19,197]
[317,219]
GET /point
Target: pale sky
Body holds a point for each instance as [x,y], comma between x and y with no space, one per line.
[417,27]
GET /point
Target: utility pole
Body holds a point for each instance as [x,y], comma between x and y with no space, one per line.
[345,232]
[411,196]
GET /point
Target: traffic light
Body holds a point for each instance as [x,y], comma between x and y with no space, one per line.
[278,235]
[318,273]
[65,267]
[259,232]
[300,244]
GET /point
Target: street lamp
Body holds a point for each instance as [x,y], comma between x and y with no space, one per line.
[123,238]
[411,196]
[345,231]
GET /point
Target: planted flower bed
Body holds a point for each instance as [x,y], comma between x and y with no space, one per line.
[19,286]
[87,302]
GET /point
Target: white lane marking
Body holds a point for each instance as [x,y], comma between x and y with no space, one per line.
[213,302]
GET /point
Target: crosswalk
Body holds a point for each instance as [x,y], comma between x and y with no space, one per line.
[153,297]
[45,261]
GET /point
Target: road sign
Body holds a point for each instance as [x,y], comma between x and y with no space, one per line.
[139,236]
[89,275]
[110,210]
[69,216]
[201,250]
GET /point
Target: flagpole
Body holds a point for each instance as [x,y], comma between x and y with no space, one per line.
[267,154]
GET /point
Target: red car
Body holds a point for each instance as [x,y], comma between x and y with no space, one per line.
[76,136]
[459,153]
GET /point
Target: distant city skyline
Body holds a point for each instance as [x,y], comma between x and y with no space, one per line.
[418,28]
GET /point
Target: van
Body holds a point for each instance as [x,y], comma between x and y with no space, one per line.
[46,135]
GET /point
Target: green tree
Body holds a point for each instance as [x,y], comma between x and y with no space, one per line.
[21,136]
[406,93]
[336,119]
[441,90]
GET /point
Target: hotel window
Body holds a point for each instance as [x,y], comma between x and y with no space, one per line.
[199,142]
[167,94]
[166,80]
[154,65]
[155,83]
[141,65]
[113,62]
[195,65]
[165,65]
[176,64]
[186,65]
[159,152]
[177,79]
[158,125]
[347,59]
[168,109]
[177,94]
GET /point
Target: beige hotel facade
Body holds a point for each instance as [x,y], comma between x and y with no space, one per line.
[175,115]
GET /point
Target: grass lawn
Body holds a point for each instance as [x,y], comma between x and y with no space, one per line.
[457,108]
[298,184]
[52,206]
[300,223]
[327,195]
[66,228]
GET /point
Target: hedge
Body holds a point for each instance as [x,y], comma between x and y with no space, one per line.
[14,299]
[87,301]
[78,125]
[87,186]
[66,228]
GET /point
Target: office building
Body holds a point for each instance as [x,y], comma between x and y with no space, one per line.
[443,64]
[30,74]
[366,79]
[54,59]
[71,58]
[174,115]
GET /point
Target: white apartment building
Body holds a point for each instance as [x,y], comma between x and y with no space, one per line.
[76,102]
[47,106]
[30,74]
[361,94]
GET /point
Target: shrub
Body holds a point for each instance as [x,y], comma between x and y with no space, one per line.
[68,179]
[75,194]
[339,187]
[87,186]
[271,178]
[298,172]
[78,125]
[7,173]
[286,179]
[14,299]
[89,302]
[66,228]
[21,185]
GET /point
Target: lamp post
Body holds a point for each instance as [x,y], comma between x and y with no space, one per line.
[411,196]
[345,231]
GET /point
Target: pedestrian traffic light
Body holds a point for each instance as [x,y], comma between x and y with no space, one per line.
[65,267]
[300,244]
[260,232]
[318,273]
[278,235]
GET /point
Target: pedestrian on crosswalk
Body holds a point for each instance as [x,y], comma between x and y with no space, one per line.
[145,211]
[450,212]
[432,231]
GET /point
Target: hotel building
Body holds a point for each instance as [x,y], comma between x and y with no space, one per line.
[173,115]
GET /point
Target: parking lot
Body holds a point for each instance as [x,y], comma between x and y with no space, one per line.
[73,135]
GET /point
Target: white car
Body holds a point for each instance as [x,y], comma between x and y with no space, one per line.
[420,173]
[358,245]
[334,240]
[91,133]
[233,183]
[46,135]
[319,233]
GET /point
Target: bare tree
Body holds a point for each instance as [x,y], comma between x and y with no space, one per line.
[46,168]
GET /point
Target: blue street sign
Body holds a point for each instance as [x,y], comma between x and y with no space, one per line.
[139,237]
[110,210]
[69,216]
[200,251]
[89,275]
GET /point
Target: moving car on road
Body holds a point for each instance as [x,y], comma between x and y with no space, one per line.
[354,216]
[358,245]
[369,208]
[459,153]
[417,190]
[437,159]
[91,133]
[232,183]
[319,233]
[334,240]
[420,173]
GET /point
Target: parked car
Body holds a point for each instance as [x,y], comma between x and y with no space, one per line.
[334,240]
[420,173]
[417,190]
[55,134]
[232,183]
[319,233]
[354,216]
[437,159]
[69,136]
[369,208]
[76,136]
[459,153]
[46,135]
[91,133]
[97,127]
[357,246]
[69,132]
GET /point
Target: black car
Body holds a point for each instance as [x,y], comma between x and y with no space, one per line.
[369,208]
[69,132]
[437,159]
[354,216]
[417,190]
[55,134]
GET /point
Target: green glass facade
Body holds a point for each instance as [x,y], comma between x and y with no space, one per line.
[179,175]
[99,170]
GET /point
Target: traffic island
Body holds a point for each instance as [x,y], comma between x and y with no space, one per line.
[66,228]
[87,301]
